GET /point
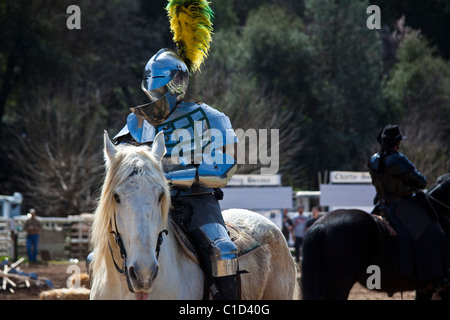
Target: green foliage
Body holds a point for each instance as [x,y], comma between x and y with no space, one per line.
[225,17]
[432,17]
[272,47]
[276,50]
[418,96]
[417,70]
[345,82]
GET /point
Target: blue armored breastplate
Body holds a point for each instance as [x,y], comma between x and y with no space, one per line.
[195,139]
[191,118]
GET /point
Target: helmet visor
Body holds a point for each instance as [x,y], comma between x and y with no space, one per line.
[158,111]
[154,94]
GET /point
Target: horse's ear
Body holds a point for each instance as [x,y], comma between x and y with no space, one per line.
[158,146]
[109,151]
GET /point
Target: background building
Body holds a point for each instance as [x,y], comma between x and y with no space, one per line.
[261,193]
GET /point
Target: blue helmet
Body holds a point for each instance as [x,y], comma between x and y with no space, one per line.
[165,82]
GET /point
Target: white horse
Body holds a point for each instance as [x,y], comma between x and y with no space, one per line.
[134,204]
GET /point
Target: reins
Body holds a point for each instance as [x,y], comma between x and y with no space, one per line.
[440,202]
[123,253]
[428,194]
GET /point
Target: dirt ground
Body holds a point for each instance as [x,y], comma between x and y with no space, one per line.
[58,274]
[361,293]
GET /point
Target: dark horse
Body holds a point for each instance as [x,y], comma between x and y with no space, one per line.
[339,248]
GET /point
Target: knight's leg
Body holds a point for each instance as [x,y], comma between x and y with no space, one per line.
[223,255]
[203,222]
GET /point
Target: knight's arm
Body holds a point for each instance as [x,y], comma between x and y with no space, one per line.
[416,179]
[219,157]
[218,173]
[214,171]
[409,174]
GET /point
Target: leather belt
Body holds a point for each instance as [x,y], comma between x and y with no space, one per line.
[191,191]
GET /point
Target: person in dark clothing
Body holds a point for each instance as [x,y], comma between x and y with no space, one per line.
[288,225]
[299,232]
[33,228]
[315,216]
[424,249]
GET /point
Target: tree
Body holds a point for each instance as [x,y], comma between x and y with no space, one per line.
[28,46]
[108,54]
[346,84]
[251,108]
[57,150]
[277,52]
[254,75]
[432,17]
[418,95]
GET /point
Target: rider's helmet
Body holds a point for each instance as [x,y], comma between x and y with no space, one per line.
[165,82]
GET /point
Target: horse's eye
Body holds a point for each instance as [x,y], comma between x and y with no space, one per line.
[135,172]
[117,198]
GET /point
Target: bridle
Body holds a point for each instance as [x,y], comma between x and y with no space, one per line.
[123,253]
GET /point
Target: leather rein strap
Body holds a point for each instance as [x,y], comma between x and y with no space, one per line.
[440,202]
[123,253]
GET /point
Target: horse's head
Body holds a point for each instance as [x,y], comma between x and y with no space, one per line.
[134,205]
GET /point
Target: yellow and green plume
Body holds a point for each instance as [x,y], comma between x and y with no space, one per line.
[191,25]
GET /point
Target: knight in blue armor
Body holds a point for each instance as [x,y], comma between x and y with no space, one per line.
[424,249]
[195,179]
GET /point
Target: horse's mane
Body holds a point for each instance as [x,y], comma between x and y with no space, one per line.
[128,160]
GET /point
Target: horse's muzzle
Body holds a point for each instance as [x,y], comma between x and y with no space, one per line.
[142,278]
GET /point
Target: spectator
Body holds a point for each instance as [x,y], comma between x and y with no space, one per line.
[299,232]
[315,215]
[32,227]
[288,225]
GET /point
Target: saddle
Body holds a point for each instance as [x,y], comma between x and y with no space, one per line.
[422,244]
[245,244]
[406,214]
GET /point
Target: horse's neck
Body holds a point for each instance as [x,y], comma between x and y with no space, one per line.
[179,277]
